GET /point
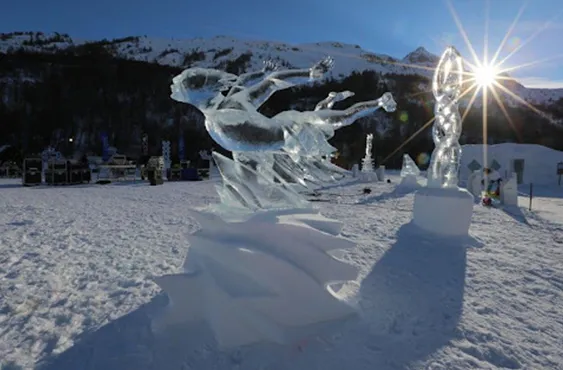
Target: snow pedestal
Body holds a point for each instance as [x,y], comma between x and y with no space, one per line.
[256,278]
[409,182]
[368,176]
[509,192]
[474,185]
[355,170]
[443,211]
[380,171]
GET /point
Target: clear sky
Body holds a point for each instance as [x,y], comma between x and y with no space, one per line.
[393,27]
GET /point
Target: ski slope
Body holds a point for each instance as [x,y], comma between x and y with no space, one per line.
[76,291]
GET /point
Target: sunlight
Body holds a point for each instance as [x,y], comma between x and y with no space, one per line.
[485,75]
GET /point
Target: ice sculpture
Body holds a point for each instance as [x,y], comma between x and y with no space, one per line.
[409,173]
[409,167]
[262,263]
[367,162]
[435,205]
[292,142]
[446,87]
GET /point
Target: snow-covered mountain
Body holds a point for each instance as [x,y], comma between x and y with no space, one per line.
[218,52]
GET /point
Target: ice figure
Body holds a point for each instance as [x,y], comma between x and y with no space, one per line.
[442,207]
[367,161]
[446,87]
[409,167]
[234,122]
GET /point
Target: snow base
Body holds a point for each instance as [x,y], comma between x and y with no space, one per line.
[368,177]
[409,182]
[443,211]
[258,279]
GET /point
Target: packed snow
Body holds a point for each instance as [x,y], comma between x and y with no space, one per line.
[76,269]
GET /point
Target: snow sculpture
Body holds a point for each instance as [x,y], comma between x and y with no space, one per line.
[274,276]
[409,172]
[262,263]
[434,206]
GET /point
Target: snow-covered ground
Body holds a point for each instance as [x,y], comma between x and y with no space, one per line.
[75,288]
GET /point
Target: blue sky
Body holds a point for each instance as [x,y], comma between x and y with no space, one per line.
[393,27]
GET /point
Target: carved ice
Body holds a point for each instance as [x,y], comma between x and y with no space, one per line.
[288,148]
[262,264]
[446,87]
[409,167]
[443,208]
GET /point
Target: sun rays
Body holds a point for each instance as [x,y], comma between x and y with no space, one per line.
[487,76]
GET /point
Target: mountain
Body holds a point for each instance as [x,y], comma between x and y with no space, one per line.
[121,86]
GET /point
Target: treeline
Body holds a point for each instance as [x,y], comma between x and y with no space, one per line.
[85,90]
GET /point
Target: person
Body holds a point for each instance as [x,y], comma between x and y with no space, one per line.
[491,182]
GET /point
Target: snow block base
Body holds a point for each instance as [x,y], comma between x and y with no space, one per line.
[369,177]
[443,211]
[258,279]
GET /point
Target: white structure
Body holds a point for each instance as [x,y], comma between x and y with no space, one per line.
[535,163]
[474,185]
[442,207]
[380,171]
[509,192]
[355,170]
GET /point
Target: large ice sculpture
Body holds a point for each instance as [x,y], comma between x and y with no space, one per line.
[442,207]
[262,263]
[292,142]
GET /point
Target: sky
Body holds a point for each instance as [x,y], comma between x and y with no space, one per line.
[393,27]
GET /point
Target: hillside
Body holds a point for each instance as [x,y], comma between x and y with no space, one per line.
[127,79]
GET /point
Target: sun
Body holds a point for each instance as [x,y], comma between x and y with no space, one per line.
[486,75]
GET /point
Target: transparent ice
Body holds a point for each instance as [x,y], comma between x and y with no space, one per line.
[275,152]
[446,87]
[409,167]
[367,161]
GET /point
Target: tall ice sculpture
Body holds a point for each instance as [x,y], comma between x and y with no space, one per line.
[442,207]
[262,267]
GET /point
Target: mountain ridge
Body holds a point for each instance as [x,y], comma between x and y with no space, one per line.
[218,51]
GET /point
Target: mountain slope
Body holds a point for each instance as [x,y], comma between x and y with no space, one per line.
[223,51]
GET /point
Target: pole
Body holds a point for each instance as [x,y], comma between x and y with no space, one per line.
[531,192]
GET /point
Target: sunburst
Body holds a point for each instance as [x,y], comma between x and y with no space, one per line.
[486,75]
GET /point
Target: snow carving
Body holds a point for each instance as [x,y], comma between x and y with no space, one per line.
[262,263]
[256,280]
[442,207]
